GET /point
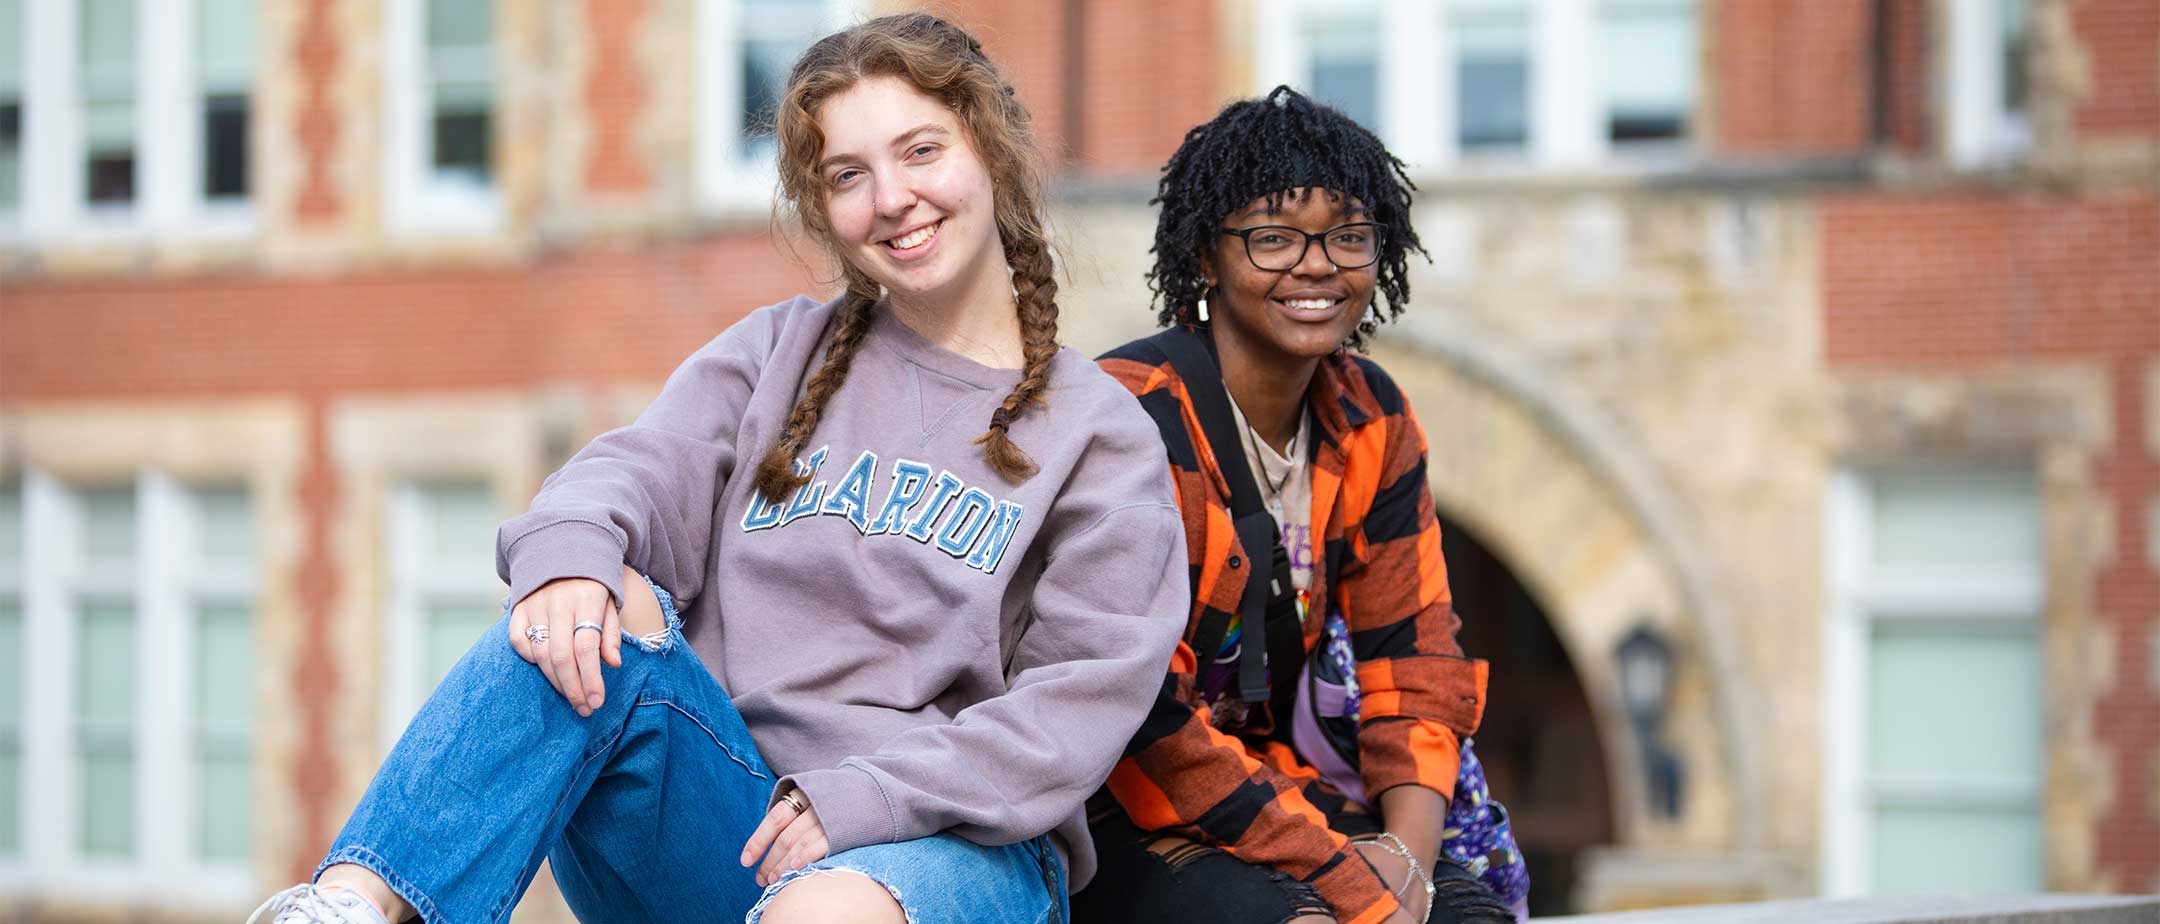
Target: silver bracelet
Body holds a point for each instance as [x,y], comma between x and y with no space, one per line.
[1396,846]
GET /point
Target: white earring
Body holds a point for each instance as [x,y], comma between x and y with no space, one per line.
[1203,310]
[1372,309]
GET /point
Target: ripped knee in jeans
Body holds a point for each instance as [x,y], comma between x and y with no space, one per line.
[1302,903]
[648,614]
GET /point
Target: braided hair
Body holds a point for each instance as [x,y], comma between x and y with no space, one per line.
[944,62]
[1263,149]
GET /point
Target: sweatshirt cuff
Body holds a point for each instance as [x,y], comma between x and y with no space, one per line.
[565,549]
[850,805]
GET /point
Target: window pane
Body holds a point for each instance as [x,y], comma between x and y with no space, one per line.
[105,671]
[1957,850]
[108,45]
[226,40]
[11,719]
[1492,73]
[462,143]
[1346,65]
[453,23]
[765,69]
[1950,703]
[223,806]
[11,527]
[224,708]
[225,43]
[108,793]
[224,659]
[108,516]
[109,146]
[11,658]
[1650,67]
[461,91]
[225,527]
[460,522]
[11,50]
[225,146]
[11,88]
[775,33]
[452,627]
[2017,38]
[1957,522]
[11,794]
[106,665]
[10,152]
[108,92]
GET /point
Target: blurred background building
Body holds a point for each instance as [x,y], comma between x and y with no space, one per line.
[1791,370]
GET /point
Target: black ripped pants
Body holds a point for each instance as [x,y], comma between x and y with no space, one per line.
[1139,880]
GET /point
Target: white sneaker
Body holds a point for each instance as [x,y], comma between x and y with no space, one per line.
[306,904]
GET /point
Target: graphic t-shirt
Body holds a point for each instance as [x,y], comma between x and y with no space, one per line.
[1285,483]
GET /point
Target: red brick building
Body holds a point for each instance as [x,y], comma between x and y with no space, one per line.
[1822,340]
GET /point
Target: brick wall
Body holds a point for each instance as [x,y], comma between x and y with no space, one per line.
[1152,74]
[1957,281]
[1907,83]
[583,316]
[2119,44]
[613,97]
[1788,76]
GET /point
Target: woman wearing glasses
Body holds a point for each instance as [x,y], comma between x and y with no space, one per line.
[1306,759]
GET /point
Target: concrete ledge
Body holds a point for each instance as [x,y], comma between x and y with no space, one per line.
[1909,909]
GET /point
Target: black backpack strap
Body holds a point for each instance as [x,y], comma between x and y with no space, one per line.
[1190,356]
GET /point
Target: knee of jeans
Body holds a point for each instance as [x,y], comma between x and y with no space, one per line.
[829,894]
[1236,892]
[669,635]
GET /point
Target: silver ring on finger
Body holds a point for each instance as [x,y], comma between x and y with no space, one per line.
[794,800]
[537,635]
[596,627]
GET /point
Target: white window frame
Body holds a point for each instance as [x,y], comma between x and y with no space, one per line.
[1992,601]
[727,181]
[1979,130]
[160,584]
[11,586]
[416,203]
[169,201]
[415,580]
[1567,110]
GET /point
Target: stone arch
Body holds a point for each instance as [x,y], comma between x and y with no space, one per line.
[1573,501]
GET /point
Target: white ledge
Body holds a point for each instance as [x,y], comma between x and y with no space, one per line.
[1907,909]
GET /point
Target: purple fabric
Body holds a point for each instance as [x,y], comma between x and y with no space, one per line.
[1312,745]
[1478,837]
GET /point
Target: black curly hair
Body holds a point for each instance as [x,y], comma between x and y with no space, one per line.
[1259,148]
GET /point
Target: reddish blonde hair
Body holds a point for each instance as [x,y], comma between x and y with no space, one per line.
[944,62]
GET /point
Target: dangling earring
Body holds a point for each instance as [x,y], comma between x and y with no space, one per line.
[1202,309]
[1372,310]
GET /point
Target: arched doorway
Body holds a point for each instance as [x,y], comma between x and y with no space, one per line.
[1539,742]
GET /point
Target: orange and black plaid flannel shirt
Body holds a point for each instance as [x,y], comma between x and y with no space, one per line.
[1379,547]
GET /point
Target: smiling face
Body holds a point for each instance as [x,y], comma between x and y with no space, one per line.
[909,201]
[1286,318]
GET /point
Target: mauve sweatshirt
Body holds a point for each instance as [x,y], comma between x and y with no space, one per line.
[916,642]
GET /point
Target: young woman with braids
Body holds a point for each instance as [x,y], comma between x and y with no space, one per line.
[925,591]
[1320,784]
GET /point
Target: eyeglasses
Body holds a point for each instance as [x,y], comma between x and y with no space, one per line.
[1277,248]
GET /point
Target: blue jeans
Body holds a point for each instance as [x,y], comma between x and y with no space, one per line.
[641,809]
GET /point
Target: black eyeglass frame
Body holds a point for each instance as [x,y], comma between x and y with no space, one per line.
[1378,230]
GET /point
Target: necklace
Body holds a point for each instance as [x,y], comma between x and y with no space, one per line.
[1274,485]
